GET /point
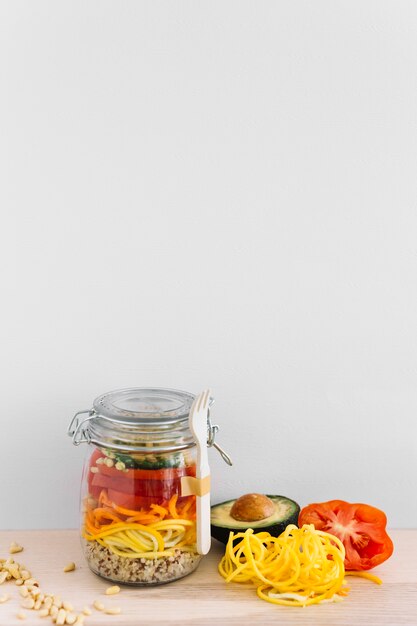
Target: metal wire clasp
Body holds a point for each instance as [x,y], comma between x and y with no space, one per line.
[212,430]
[76,430]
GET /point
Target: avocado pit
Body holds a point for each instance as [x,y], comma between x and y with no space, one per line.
[252,507]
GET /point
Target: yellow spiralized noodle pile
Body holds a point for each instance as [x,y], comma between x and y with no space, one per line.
[302,566]
[151,541]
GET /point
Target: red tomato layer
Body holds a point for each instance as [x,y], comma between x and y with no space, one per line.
[149,488]
[135,488]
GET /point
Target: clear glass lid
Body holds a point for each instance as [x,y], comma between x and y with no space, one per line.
[141,418]
[144,405]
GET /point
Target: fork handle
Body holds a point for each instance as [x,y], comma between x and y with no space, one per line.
[203,524]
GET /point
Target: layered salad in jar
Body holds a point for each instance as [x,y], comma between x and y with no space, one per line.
[137,528]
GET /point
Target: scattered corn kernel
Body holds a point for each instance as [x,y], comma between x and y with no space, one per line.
[70,567]
[120,465]
[94,470]
[21,615]
[67,606]
[14,548]
[38,604]
[71,618]
[19,581]
[24,592]
[44,612]
[87,611]
[110,591]
[3,576]
[4,598]
[24,574]
[61,617]
[108,462]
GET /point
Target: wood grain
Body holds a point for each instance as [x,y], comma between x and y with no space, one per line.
[203,597]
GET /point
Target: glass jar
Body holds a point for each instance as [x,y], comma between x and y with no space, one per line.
[137,527]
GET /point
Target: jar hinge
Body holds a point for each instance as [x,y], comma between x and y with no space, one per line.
[76,428]
[212,430]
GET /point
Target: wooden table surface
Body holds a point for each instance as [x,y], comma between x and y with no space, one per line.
[204,597]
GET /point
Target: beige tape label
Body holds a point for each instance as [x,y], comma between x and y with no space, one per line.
[191,486]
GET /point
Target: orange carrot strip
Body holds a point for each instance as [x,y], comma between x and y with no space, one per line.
[103,499]
[143,519]
[159,509]
[106,514]
[123,511]
[187,505]
[186,510]
[90,517]
[171,506]
[91,529]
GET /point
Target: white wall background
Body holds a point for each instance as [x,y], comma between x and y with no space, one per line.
[212,193]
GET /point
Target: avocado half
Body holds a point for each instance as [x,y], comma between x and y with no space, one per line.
[222,523]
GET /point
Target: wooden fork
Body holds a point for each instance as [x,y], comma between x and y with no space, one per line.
[198,426]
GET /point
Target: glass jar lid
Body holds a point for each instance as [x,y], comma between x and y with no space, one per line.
[144,405]
[139,419]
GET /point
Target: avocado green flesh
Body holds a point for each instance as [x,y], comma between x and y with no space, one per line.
[286,512]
